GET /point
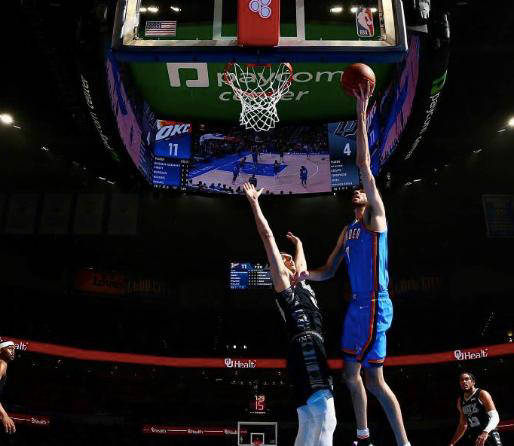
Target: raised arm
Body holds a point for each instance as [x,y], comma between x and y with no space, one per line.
[279,273]
[374,215]
[462,426]
[299,256]
[328,270]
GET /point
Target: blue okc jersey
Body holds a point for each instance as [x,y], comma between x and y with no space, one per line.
[365,253]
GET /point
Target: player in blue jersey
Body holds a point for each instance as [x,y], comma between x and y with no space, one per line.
[363,246]
[303,175]
[235,172]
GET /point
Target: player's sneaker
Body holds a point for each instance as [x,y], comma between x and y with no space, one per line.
[363,442]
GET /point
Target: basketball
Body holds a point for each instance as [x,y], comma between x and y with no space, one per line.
[355,75]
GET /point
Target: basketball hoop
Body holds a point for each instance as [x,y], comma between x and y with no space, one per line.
[259,87]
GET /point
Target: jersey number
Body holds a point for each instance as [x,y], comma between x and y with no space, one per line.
[474,422]
[347,150]
[173,149]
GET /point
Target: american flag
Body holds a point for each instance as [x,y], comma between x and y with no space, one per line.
[161,28]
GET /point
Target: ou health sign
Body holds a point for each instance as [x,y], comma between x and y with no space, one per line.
[173,139]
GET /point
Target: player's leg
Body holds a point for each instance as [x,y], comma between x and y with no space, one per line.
[374,371]
[353,380]
[352,337]
[321,406]
[376,384]
[305,435]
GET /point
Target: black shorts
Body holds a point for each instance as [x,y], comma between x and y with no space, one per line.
[470,439]
[307,367]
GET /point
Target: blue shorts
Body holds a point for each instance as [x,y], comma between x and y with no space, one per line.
[364,329]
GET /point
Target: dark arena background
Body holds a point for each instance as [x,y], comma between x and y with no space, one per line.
[133,282]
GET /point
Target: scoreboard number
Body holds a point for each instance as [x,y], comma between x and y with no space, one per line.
[173,149]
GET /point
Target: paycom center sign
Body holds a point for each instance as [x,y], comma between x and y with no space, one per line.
[197,90]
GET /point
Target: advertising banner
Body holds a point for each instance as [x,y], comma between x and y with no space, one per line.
[90,281]
[128,125]
[464,354]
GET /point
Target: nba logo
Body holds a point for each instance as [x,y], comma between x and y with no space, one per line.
[364,22]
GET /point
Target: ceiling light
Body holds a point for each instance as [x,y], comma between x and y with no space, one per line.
[336,10]
[511,122]
[477,150]
[6,119]
[142,9]
[373,10]
[175,8]
[153,9]
[353,9]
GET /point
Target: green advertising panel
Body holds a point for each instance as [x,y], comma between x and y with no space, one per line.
[196,91]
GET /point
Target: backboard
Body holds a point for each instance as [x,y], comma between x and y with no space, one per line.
[176,53]
[304,25]
[256,433]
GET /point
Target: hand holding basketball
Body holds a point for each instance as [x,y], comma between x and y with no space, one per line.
[362,95]
[356,75]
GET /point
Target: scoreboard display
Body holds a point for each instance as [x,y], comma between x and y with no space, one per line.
[342,146]
[247,276]
[173,139]
[166,172]
[171,151]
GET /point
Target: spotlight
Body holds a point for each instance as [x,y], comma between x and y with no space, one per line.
[6,119]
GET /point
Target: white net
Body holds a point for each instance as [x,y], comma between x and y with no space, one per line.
[259,88]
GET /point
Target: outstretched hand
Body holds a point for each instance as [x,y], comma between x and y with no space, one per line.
[293,239]
[251,193]
[362,95]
